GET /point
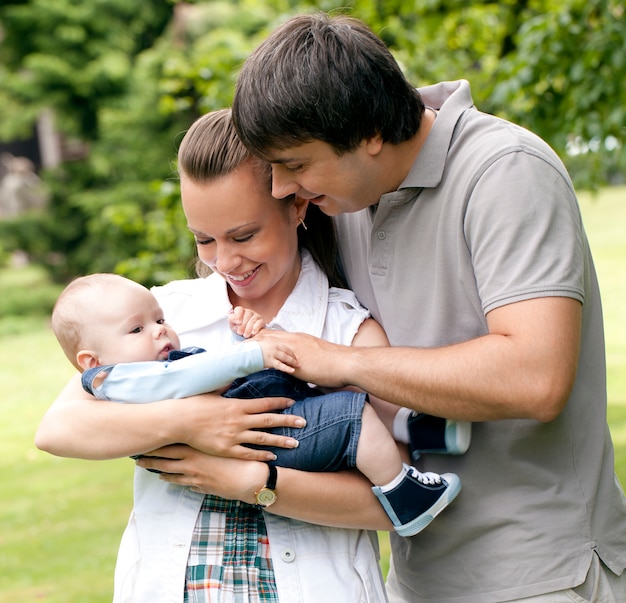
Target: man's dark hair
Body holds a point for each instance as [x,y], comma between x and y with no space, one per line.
[326,78]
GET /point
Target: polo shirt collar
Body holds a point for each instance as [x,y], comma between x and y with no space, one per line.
[450,100]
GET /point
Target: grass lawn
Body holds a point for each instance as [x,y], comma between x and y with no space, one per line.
[605,221]
[61,519]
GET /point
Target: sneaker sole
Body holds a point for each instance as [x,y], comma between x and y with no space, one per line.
[419,523]
[458,436]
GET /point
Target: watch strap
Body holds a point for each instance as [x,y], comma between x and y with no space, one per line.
[272,477]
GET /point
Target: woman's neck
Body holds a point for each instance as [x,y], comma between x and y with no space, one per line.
[267,308]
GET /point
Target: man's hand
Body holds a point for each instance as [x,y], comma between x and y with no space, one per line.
[318,361]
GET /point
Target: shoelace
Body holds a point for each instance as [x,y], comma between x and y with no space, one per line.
[428,478]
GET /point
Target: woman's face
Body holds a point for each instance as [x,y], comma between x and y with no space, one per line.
[244,234]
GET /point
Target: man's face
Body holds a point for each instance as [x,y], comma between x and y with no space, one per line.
[336,183]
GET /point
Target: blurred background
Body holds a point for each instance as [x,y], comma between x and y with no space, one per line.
[94,99]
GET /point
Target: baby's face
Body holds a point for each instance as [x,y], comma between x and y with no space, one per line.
[130,327]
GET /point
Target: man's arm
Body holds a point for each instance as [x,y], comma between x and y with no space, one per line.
[523,368]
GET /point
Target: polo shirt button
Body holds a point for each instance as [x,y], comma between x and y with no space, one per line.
[288,555]
[381,235]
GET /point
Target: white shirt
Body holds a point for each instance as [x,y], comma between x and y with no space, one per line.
[311,563]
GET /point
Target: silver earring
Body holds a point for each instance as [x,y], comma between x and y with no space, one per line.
[303,224]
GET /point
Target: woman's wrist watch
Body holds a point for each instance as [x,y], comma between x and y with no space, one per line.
[266,496]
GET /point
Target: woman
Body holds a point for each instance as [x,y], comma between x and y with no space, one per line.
[181,545]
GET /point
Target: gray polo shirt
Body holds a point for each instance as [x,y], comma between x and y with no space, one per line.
[487,216]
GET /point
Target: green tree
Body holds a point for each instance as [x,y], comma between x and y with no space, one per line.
[72,56]
[118,208]
[128,79]
[83,61]
[564,81]
[553,66]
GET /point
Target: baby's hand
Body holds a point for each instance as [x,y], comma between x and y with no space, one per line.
[278,356]
[245,322]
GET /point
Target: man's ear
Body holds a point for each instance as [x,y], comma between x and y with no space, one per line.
[373,145]
[87,359]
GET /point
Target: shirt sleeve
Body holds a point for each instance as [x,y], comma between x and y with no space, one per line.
[344,316]
[143,382]
[525,234]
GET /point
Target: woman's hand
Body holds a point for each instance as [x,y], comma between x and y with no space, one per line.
[225,477]
[79,426]
[323,498]
[222,426]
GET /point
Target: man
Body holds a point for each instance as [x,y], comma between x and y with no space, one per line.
[462,235]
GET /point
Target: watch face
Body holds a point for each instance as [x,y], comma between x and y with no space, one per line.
[266,497]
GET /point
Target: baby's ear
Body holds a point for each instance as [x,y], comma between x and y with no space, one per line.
[87,359]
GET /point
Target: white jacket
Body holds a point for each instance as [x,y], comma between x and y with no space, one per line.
[311,563]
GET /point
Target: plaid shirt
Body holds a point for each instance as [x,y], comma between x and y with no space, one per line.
[229,559]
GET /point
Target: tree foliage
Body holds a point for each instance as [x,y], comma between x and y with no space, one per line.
[565,82]
[127,79]
[74,56]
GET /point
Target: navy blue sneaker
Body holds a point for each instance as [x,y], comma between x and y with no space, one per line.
[418,499]
[437,435]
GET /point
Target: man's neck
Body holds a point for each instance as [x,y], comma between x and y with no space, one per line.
[402,156]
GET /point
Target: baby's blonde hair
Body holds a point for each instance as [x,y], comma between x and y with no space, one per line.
[70,315]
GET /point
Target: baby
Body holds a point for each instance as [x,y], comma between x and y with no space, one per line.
[113,331]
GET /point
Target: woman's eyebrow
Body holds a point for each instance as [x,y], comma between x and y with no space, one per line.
[228,232]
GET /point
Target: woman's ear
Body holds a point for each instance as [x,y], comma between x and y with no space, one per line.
[87,359]
[300,206]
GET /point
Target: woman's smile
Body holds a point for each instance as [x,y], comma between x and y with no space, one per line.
[244,279]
